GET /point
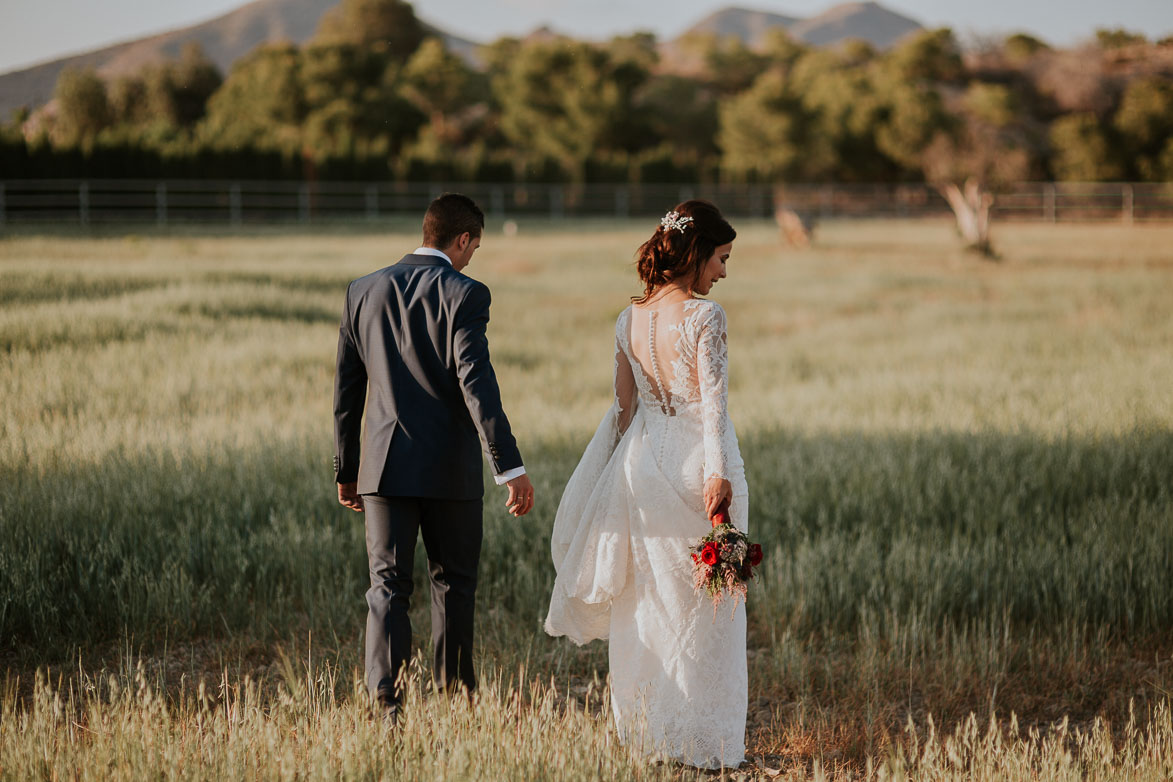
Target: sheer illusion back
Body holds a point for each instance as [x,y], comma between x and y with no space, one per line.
[653,338]
[676,357]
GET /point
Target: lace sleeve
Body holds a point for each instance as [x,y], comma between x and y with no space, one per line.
[713,376]
[626,397]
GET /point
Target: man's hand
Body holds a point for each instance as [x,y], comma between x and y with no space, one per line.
[348,495]
[521,496]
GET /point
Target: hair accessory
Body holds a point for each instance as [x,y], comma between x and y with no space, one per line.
[674,220]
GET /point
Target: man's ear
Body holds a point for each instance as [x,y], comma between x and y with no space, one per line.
[463,241]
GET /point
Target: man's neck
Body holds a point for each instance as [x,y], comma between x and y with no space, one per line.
[437,252]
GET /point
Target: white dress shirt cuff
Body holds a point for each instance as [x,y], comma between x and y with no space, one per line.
[509,475]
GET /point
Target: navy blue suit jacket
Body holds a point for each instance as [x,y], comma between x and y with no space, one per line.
[412,347]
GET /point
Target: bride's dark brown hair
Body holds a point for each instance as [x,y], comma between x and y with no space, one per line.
[674,254]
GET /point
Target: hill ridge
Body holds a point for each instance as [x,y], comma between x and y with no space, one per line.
[230,36]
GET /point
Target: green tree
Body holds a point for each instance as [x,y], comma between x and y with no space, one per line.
[726,62]
[1118,38]
[838,90]
[913,115]
[260,105]
[387,25]
[1083,150]
[83,109]
[855,51]
[682,112]
[932,56]
[1144,121]
[1020,47]
[779,48]
[638,50]
[813,119]
[353,102]
[177,93]
[444,88]
[128,101]
[499,55]
[569,101]
[767,132]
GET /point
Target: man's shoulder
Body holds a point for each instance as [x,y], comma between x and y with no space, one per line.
[468,283]
[372,278]
[450,283]
[399,269]
[458,284]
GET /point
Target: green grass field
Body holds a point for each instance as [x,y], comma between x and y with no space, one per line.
[961,471]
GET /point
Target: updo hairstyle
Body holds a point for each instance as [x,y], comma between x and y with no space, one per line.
[672,254]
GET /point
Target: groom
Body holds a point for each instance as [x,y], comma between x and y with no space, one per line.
[413,337]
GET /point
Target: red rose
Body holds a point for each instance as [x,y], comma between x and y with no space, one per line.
[755,554]
[695,558]
[709,554]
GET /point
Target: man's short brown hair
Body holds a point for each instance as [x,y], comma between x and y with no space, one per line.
[449,216]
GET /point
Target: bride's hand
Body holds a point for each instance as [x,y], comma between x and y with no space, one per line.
[717,490]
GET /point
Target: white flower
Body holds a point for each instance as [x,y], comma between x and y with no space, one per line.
[674,220]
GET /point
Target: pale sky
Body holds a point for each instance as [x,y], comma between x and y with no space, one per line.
[34,31]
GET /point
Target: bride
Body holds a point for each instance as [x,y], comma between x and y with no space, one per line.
[662,462]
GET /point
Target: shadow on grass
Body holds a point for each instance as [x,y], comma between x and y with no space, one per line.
[864,534]
[279,311]
[20,289]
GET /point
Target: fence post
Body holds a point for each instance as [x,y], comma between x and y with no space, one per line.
[622,201]
[234,208]
[161,204]
[555,201]
[83,203]
[1126,198]
[372,198]
[303,203]
[3,209]
[497,202]
[1049,202]
[756,201]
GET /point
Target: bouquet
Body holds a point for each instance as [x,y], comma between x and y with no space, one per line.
[723,561]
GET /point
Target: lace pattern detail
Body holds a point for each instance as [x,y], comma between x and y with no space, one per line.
[684,366]
[626,391]
[712,362]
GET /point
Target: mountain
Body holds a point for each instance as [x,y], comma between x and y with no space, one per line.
[870,22]
[748,25]
[224,39]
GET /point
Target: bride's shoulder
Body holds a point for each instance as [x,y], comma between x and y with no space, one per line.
[623,318]
[705,309]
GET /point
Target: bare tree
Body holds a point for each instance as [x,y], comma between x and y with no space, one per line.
[986,148]
[967,143]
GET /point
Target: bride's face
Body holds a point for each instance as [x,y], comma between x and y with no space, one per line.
[713,270]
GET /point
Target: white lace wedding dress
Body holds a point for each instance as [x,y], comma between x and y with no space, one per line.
[621,539]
